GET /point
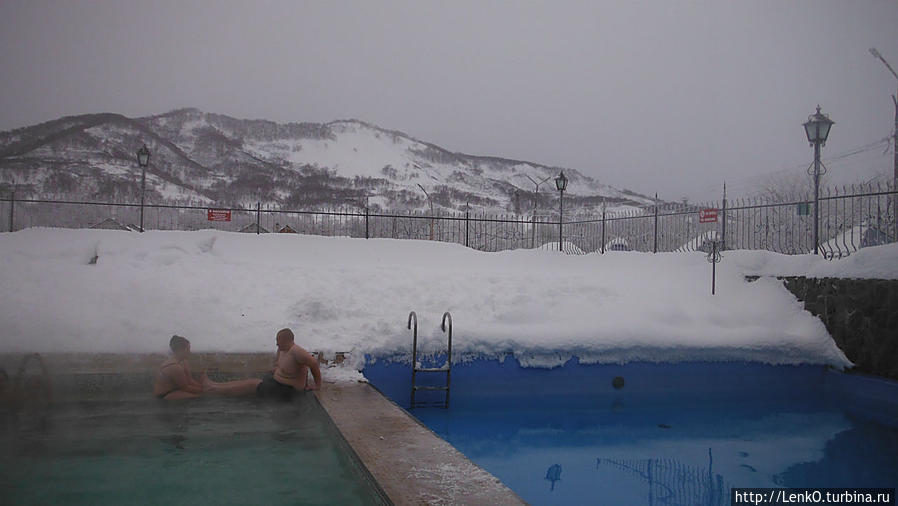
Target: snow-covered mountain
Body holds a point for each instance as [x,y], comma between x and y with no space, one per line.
[209,158]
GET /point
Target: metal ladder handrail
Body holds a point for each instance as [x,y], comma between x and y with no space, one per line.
[413,316]
[447,368]
[448,354]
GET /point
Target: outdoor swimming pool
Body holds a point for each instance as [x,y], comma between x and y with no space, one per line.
[673,434]
[137,450]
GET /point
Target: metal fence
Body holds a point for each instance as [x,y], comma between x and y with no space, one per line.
[476,230]
[851,218]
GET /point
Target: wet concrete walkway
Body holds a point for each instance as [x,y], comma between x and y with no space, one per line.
[411,463]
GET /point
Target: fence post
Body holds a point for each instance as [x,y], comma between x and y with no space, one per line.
[714,257]
[366,222]
[894,198]
[533,230]
[603,230]
[723,220]
[258,217]
[655,244]
[467,221]
[12,208]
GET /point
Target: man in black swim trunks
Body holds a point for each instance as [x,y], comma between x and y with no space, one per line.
[269,387]
[291,369]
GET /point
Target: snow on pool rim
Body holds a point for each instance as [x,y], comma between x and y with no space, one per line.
[231,292]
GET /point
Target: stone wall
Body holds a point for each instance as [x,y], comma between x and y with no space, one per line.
[860,314]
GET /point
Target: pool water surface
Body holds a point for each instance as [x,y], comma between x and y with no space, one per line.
[206,451]
[671,434]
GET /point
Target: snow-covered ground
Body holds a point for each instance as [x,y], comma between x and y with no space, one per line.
[878,262]
[232,292]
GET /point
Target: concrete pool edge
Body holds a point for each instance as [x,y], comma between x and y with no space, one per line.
[361,468]
[408,460]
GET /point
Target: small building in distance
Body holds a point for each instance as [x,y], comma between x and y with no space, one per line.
[874,236]
[286,229]
[251,229]
[110,224]
[617,244]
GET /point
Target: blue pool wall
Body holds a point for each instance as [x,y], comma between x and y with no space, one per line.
[486,384]
[868,397]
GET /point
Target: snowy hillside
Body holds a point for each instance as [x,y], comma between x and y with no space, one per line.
[206,158]
[232,292]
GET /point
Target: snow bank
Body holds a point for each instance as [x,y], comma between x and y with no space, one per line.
[231,292]
[342,374]
[877,262]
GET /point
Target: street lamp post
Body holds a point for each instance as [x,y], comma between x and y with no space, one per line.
[536,193]
[561,185]
[535,208]
[431,209]
[817,128]
[143,159]
[876,54]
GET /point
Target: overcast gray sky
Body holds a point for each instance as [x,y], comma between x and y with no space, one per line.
[670,96]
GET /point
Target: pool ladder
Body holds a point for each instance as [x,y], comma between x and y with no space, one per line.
[446,368]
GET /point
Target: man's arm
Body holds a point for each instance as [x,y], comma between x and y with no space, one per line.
[306,358]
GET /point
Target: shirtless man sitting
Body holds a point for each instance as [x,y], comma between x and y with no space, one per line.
[291,369]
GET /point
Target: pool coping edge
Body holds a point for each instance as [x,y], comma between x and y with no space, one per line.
[410,462]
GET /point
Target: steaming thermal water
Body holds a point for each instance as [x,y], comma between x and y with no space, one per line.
[204,451]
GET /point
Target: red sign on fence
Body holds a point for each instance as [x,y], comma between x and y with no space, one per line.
[707,216]
[219,215]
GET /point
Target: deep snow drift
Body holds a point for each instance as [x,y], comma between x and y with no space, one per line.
[231,292]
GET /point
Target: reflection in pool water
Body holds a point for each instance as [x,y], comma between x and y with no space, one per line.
[668,481]
[553,474]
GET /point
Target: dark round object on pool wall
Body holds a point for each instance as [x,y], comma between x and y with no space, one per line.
[617,382]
